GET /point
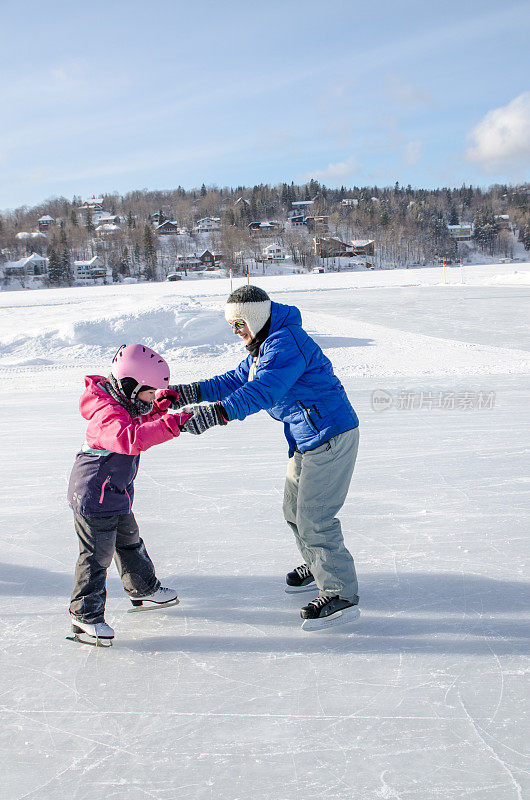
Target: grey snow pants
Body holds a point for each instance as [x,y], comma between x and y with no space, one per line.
[101,539]
[316,486]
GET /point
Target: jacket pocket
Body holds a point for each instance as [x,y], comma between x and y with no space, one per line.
[307,416]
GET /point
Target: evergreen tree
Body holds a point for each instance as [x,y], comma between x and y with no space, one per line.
[125,266]
[150,262]
[524,235]
[485,229]
[130,220]
[203,190]
[54,267]
[385,217]
[89,225]
[453,216]
[137,257]
[67,277]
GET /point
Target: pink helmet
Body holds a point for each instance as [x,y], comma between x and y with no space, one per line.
[142,364]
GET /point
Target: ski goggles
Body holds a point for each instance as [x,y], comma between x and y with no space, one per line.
[238,324]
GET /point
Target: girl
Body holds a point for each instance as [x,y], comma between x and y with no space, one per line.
[124,418]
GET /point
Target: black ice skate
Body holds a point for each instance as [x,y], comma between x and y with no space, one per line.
[327,612]
[300,580]
[162,598]
[98,634]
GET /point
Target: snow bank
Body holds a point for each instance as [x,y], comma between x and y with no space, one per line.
[84,326]
[73,333]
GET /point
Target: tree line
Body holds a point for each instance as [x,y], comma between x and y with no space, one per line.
[409,226]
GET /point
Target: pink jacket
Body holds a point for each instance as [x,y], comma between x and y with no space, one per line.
[110,427]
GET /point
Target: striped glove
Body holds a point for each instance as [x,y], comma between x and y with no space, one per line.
[188,394]
[204,416]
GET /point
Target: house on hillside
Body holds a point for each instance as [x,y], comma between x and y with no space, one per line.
[274,252]
[167,228]
[89,270]
[104,218]
[349,201]
[296,219]
[157,218]
[209,259]
[92,204]
[503,221]
[363,247]
[25,267]
[265,228]
[207,225]
[327,247]
[45,222]
[189,261]
[316,223]
[106,229]
[462,232]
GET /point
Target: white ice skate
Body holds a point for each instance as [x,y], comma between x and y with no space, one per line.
[162,598]
[98,634]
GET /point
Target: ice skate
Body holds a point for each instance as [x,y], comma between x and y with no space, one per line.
[161,598]
[300,580]
[325,613]
[98,634]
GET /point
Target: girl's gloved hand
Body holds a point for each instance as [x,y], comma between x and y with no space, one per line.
[164,399]
[176,422]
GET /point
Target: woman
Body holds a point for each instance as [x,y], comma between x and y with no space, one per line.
[287,374]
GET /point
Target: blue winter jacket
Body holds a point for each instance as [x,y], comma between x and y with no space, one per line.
[293,381]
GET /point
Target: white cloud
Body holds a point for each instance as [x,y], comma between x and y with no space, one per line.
[412,152]
[502,138]
[334,172]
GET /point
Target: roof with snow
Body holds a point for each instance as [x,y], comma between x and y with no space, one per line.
[88,263]
[34,258]
[32,235]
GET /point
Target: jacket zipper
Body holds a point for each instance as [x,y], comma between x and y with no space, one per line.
[308,415]
[102,494]
[127,493]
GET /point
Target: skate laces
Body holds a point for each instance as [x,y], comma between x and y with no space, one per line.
[320,601]
[303,571]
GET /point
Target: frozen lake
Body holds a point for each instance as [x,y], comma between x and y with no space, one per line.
[224,697]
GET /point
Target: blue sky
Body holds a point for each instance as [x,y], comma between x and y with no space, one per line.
[115,96]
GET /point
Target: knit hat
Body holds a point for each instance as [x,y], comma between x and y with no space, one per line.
[251,304]
[131,388]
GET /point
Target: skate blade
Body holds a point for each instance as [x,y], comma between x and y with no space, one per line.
[335,621]
[152,606]
[309,587]
[91,640]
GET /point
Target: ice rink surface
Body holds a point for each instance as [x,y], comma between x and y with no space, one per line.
[224,697]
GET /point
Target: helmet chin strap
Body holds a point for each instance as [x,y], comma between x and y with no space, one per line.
[135,392]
